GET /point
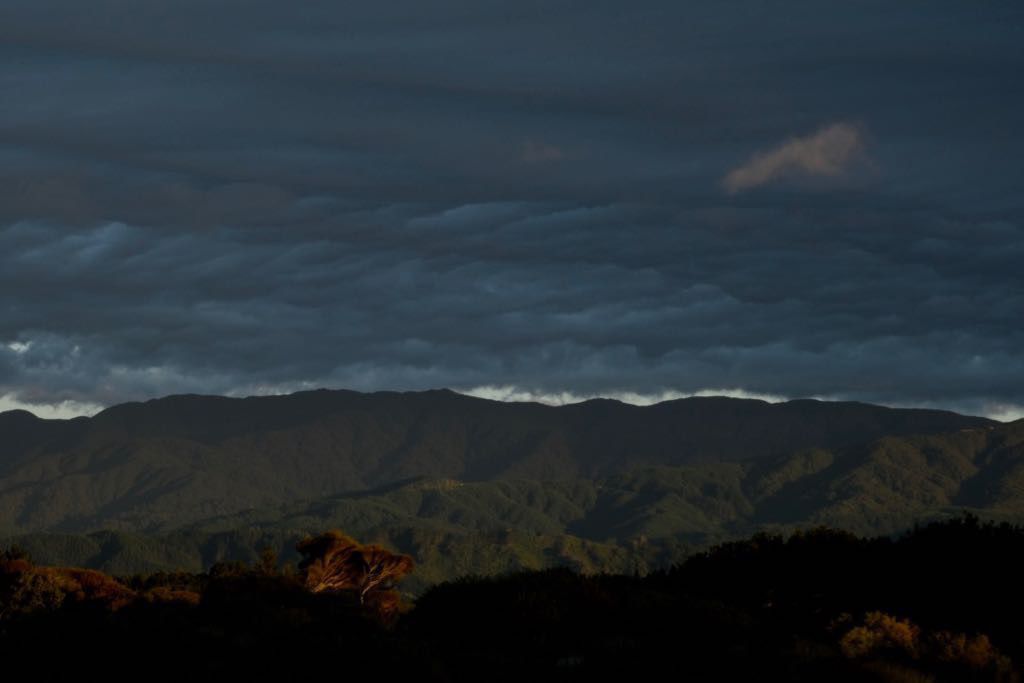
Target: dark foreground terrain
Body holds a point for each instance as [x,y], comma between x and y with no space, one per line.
[942,602]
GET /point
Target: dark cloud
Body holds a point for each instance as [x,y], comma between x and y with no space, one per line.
[242,197]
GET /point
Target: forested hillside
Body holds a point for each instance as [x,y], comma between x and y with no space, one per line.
[638,520]
[159,465]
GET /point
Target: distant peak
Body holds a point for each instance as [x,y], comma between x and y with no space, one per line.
[18,414]
[601,401]
[443,391]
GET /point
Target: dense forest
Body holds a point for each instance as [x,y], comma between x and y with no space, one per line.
[468,486]
[941,602]
[180,460]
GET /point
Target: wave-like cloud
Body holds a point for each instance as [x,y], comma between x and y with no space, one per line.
[530,301]
[216,201]
[830,152]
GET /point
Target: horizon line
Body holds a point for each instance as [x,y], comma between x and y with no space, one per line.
[70,409]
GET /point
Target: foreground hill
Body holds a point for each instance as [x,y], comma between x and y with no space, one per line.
[941,603]
[159,465]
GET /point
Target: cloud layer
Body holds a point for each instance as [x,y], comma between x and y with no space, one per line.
[240,198]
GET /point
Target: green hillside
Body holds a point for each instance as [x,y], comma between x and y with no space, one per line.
[157,466]
[625,522]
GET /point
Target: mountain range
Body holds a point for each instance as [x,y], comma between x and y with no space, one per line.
[472,486]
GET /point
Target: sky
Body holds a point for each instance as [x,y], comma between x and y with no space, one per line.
[531,200]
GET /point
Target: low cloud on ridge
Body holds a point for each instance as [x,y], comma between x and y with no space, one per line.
[518,394]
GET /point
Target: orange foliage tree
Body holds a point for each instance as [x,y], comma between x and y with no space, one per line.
[882,633]
[334,561]
[26,588]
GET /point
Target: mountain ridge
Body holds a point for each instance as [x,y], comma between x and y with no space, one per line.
[444,391]
[163,463]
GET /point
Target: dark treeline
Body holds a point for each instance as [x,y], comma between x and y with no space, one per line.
[941,603]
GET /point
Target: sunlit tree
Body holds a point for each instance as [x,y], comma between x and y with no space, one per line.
[334,561]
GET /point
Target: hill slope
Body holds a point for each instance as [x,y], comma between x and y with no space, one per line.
[158,465]
[636,520]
